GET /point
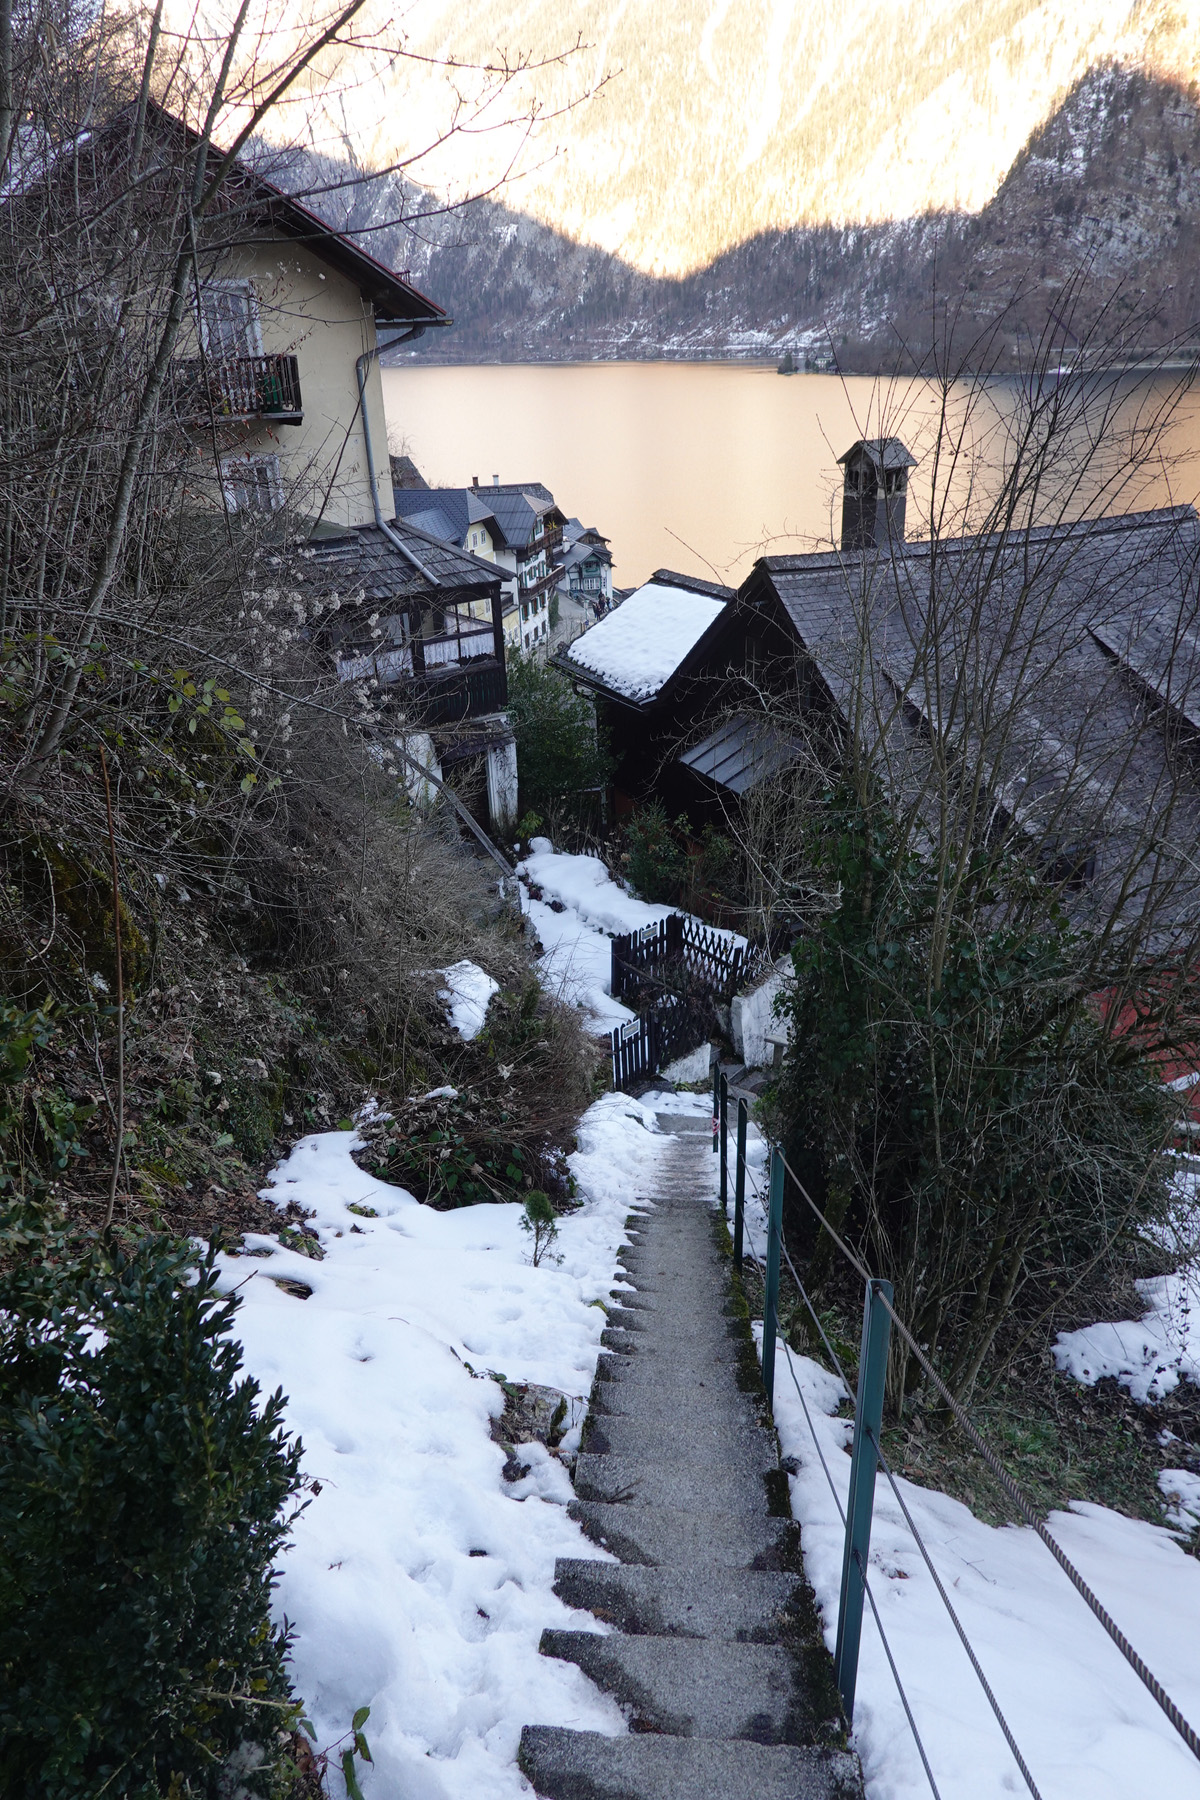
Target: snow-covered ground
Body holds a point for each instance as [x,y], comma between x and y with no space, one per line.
[582,908]
[1085,1724]
[419,1581]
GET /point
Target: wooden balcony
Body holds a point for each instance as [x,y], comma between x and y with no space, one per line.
[460,691]
[238,388]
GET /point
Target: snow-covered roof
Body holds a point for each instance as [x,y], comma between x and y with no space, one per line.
[636,649]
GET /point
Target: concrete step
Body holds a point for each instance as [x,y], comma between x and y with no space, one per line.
[678,1410]
[743,1606]
[674,1537]
[637,1481]
[699,1687]
[689,1364]
[659,1337]
[706,1443]
[583,1765]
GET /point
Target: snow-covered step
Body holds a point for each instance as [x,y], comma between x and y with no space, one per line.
[582,1765]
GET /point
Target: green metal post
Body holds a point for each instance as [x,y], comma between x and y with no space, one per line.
[722,1110]
[771,1297]
[868,1416]
[739,1186]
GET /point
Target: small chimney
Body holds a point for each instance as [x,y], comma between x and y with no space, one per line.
[495,481]
[874,493]
[474,481]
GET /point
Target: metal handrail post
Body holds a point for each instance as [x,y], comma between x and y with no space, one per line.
[868,1416]
[716,1104]
[722,1114]
[739,1185]
[771,1296]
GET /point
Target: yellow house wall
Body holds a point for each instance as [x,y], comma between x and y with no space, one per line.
[320,317]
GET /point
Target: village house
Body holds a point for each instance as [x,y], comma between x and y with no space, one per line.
[278,377]
[585,561]
[517,526]
[653,666]
[557,572]
[1082,639]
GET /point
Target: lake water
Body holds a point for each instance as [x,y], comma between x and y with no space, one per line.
[698,467]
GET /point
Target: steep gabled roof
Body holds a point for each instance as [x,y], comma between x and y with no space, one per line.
[249,197]
[459,507]
[1031,654]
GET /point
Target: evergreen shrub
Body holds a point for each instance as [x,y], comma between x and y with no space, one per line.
[559,754]
[145,1494]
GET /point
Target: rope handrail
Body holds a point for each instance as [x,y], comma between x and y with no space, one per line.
[1015,1493]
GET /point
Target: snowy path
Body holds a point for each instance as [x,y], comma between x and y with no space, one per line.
[718,1657]
[579,911]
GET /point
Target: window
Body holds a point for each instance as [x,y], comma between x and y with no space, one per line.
[252,484]
[229,320]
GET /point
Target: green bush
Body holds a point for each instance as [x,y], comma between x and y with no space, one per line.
[145,1494]
[39,1124]
[667,864]
[958,1105]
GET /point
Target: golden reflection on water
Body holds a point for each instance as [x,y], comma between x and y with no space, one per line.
[702,466]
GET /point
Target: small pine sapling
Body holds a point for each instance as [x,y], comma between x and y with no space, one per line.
[540,1222]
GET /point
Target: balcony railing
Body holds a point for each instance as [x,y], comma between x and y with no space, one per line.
[461,691]
[239,387]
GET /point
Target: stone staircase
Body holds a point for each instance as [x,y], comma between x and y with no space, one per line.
[715,1653]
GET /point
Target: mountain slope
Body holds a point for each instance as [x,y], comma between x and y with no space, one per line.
[1111,183]
[723,122]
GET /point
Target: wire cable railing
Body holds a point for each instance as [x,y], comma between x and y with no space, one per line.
[1019,1498]
[867,1450]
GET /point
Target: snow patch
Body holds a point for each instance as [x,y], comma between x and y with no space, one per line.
[695,1066]
[1148,1356]
[1180,1488]
[1085,1724]
[468,989]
